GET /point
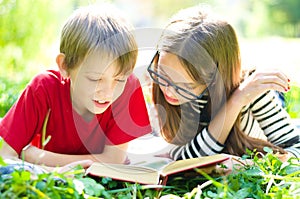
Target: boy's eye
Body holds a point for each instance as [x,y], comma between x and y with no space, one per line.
[121,80]
[93,79]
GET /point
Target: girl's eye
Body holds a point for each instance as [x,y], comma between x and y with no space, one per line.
[188,86]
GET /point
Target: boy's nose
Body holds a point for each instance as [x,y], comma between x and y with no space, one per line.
[105,88]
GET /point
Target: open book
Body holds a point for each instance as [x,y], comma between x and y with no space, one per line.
[153,173]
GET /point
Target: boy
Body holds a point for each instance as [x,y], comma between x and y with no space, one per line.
[92,107]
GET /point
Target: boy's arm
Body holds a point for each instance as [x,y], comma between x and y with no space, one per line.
[111,154]
[6,151]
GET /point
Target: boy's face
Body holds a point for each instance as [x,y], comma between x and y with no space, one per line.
[95,85]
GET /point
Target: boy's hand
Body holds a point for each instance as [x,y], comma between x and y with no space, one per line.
[84,163]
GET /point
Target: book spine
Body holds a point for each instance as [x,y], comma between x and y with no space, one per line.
[163,180]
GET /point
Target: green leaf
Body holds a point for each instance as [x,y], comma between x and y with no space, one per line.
[91,187]
[25,175]
[211,194]
[254,171]
[243,193]
[292,169]
[41,185]
[268,150]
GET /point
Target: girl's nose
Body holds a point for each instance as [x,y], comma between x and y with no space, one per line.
[169,90]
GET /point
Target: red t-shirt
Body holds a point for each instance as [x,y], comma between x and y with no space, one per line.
[124,120]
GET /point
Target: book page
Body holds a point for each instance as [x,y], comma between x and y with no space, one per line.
[129,173]
[147,175]
[182,165]
[156,163]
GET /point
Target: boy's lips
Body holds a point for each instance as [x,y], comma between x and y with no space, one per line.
[101,104]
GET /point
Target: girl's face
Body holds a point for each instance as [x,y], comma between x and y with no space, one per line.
[172,69]
[94,85]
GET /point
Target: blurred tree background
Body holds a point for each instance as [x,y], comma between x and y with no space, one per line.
[29,34]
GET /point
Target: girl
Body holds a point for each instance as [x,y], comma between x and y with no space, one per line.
[205,104]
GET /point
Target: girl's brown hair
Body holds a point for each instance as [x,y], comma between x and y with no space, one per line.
[203,43]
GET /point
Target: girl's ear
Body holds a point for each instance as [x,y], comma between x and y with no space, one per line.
[60,60]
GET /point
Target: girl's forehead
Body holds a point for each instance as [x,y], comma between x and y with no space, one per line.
[169,64]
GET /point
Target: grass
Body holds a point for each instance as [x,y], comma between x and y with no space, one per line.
[267,177]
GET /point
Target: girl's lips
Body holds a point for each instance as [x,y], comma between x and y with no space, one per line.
[102,104]
[171,100]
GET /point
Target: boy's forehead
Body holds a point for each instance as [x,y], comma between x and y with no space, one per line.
[99,61]
[101,65]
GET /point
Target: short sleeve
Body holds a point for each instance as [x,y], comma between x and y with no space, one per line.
[21,122]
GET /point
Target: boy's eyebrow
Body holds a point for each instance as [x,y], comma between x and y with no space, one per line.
[93,73]
[100,74]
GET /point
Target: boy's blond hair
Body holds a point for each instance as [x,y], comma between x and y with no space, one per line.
[100,29]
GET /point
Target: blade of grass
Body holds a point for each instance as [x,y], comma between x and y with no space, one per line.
[44,140]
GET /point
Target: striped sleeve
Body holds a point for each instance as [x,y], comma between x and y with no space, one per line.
[203,144]
[276,123]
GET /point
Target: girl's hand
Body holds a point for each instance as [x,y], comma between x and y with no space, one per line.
[163,155]
[285,157]
[260,82]
[226,167]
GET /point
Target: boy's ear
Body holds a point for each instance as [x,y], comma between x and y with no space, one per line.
[60,60]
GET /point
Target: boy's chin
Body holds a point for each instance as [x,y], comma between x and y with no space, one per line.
[98,110]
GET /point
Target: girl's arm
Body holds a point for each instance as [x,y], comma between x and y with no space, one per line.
[253,87]
[211,140]
[111,154]
[276,123]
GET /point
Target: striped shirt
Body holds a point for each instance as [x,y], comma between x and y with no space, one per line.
[264,118]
